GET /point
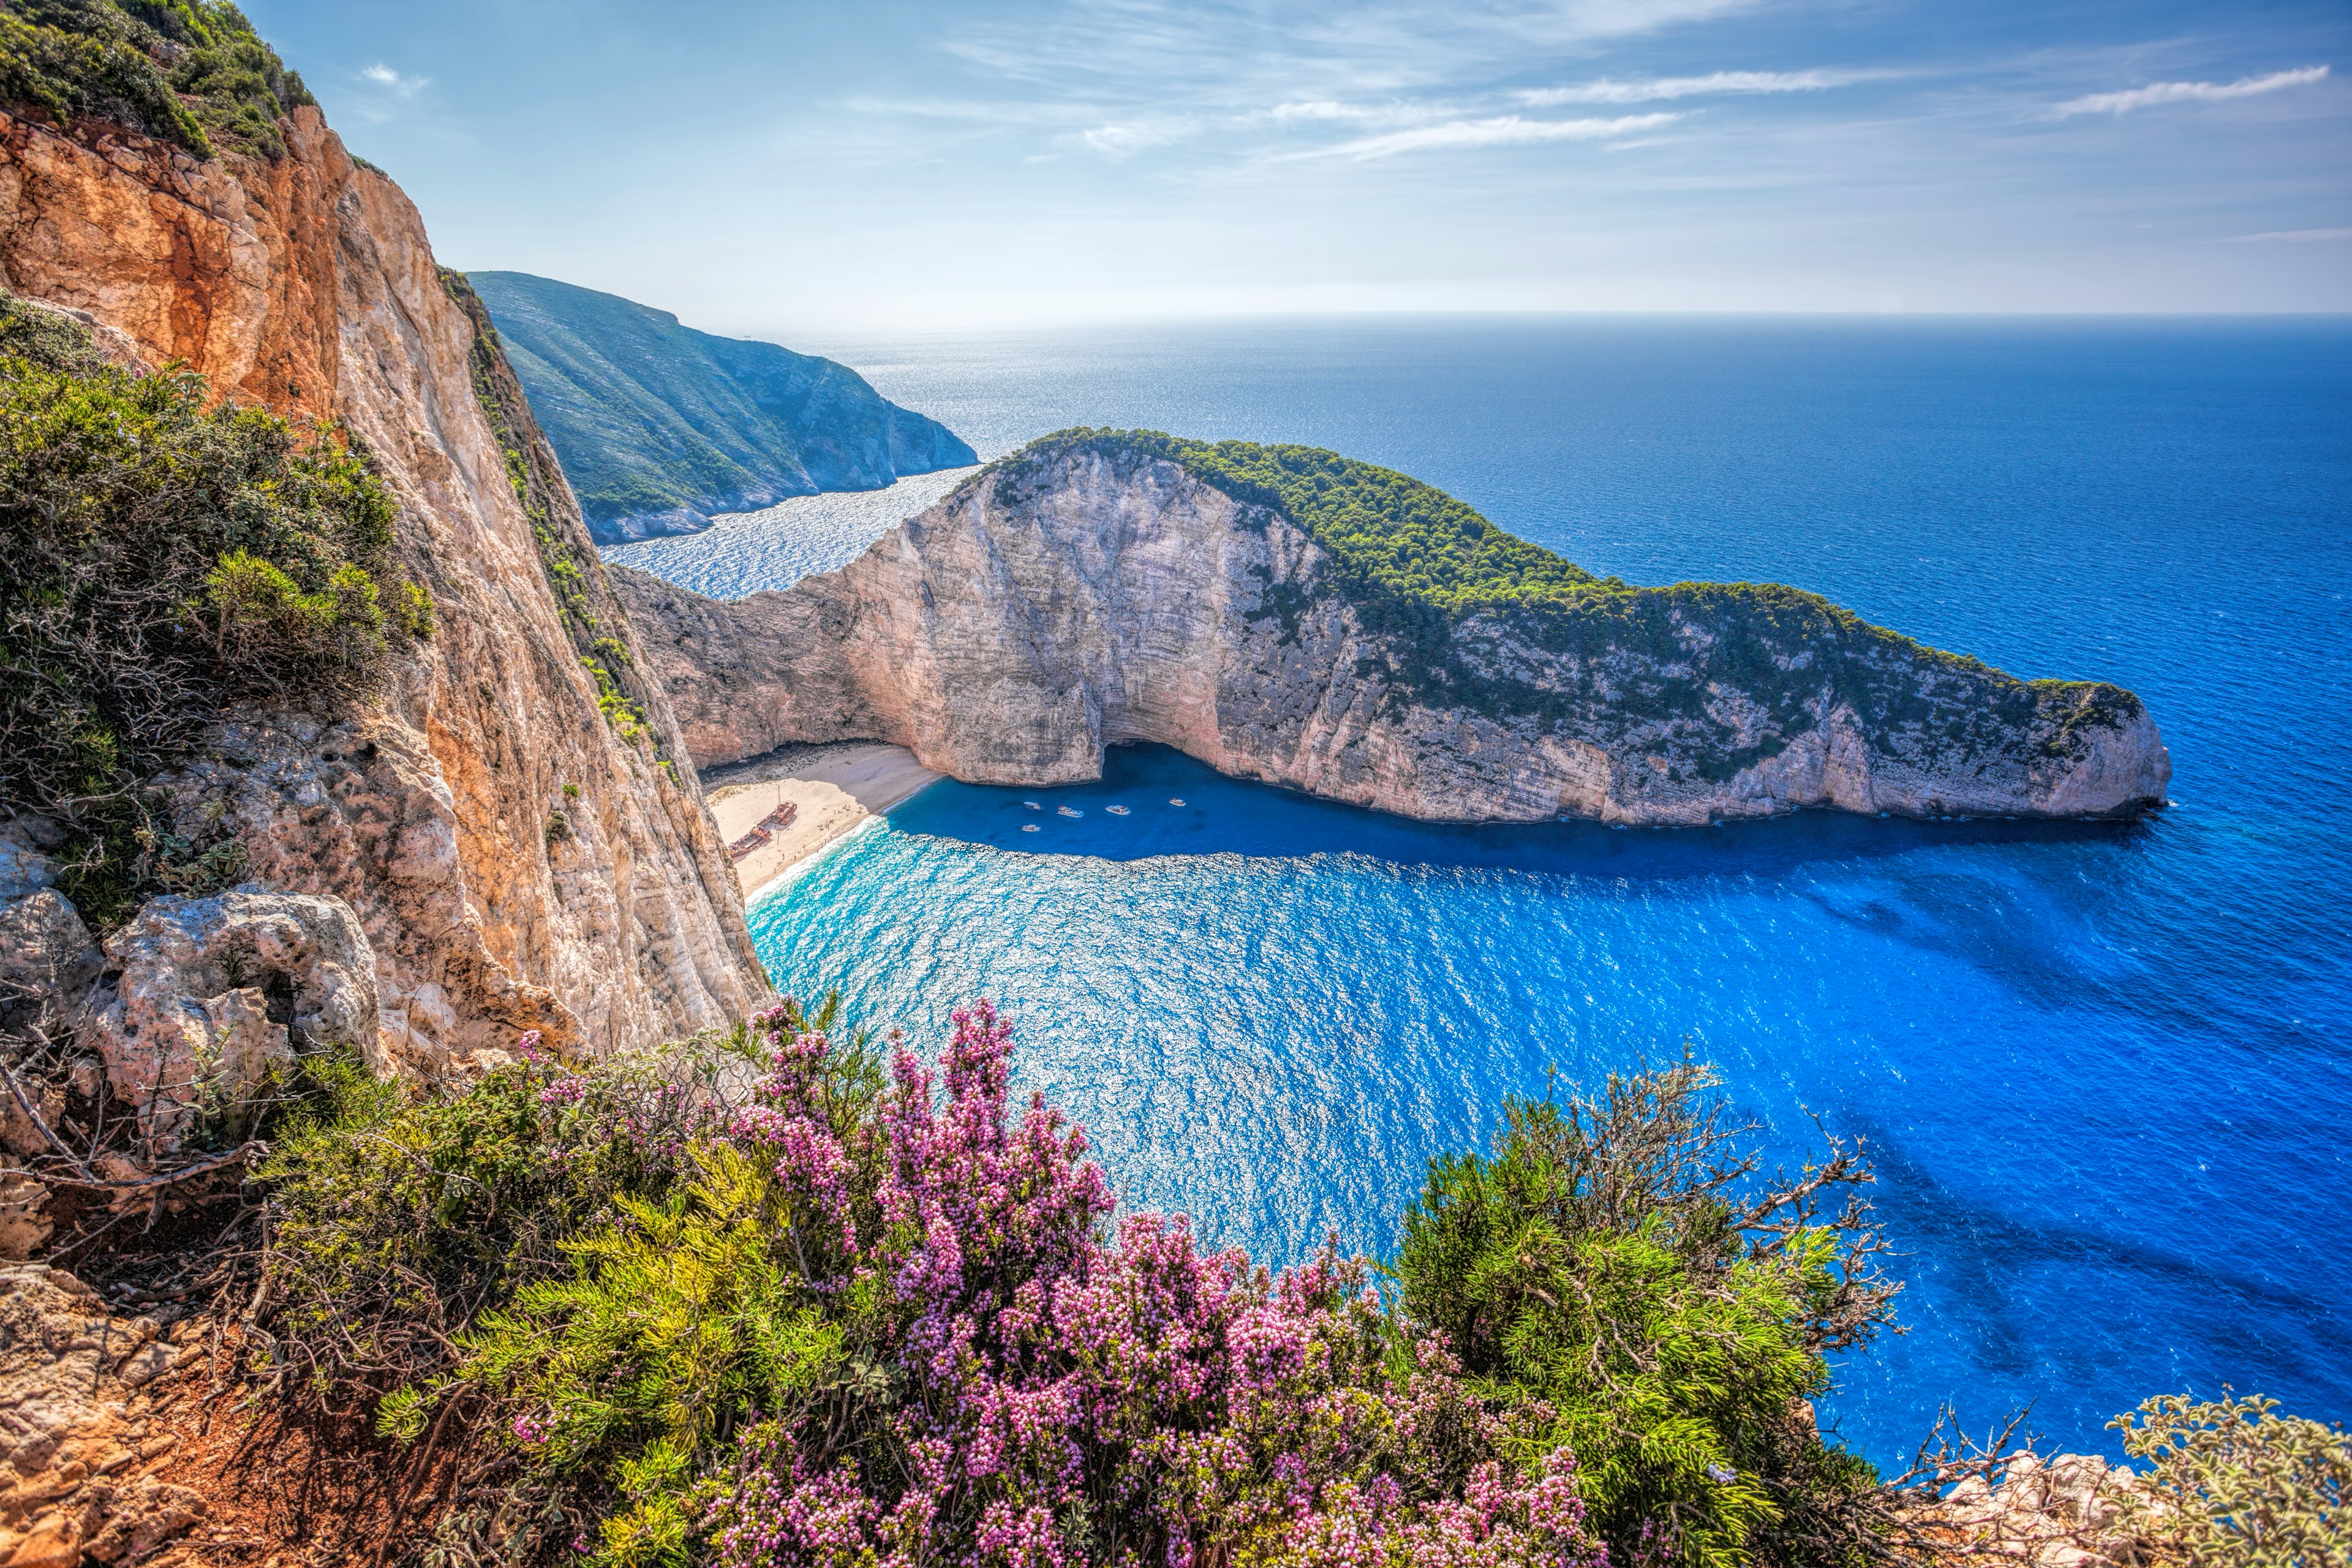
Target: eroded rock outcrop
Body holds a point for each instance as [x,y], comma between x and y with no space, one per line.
[2071,1511]
[219,997]
[1080,596]
[517,859]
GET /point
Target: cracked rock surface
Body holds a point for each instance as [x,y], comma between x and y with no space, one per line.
[193,1021]
[83,1474]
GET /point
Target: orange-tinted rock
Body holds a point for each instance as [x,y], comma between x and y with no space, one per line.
[307,285]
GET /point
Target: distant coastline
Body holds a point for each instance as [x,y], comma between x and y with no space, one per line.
[776,546]
[660,428]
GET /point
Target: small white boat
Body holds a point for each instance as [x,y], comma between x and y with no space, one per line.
[1069,811]
[1175,803]
[1115,810]
[1032,805]
[1028,827]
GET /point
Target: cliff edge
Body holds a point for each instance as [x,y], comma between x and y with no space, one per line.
[1290,615]
[513,818]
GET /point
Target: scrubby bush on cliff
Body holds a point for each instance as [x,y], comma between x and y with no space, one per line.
[400,1214]
[162,555]
[1393,536]
[1612,1270]
[2233,1484]
[189,72]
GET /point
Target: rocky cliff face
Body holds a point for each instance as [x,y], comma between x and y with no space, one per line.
[519,833]
[1081,598]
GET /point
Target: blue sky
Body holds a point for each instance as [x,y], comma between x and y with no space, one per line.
[788,169]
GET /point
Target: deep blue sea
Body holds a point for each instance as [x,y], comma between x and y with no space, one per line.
[2106,1071]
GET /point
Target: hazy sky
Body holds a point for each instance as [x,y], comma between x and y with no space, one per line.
[790,169]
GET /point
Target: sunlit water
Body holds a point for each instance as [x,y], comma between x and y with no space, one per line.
[779,545]
[2103,1069]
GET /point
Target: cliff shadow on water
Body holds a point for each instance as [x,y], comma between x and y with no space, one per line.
[1227,816]
[2016,901]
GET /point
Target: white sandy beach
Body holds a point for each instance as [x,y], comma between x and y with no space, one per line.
[835,788]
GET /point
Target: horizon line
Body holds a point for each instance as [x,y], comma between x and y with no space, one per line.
[1858,317]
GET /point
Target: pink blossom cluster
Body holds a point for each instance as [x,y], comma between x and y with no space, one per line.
[1061,1397]
[795,1121]
[614,1122]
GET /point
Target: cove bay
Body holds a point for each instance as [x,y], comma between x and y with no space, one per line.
[1269,1011]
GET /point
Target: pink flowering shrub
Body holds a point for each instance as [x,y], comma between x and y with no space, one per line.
[889,1323]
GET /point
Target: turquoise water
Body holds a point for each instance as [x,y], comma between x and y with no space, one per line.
[2103,1070]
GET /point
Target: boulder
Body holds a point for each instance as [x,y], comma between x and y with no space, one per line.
[2068,1511]
[218,994]
[47,961]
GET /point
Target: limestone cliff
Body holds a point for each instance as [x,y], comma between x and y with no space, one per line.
[513,820]
[1099,590]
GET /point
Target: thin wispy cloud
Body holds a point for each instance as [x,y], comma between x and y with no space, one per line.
[972,110]
[1503,130]
[2162,92]
[1444,37]
[1186,47]
[2290,236]
[1120,141]
[1300,82]
[1718,83]
[1324,111]
[384,76]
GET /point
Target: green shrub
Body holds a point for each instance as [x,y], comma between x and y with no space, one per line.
[401,1214]
[679,1321]
[2233,1484]
[166,556]
[188,71]
[1604,1265]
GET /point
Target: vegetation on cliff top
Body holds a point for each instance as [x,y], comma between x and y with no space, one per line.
[1395,537]
[1639,1206]
[2234,1484]
[1451,592]
[869,1314]
[187,71]
[163,557]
